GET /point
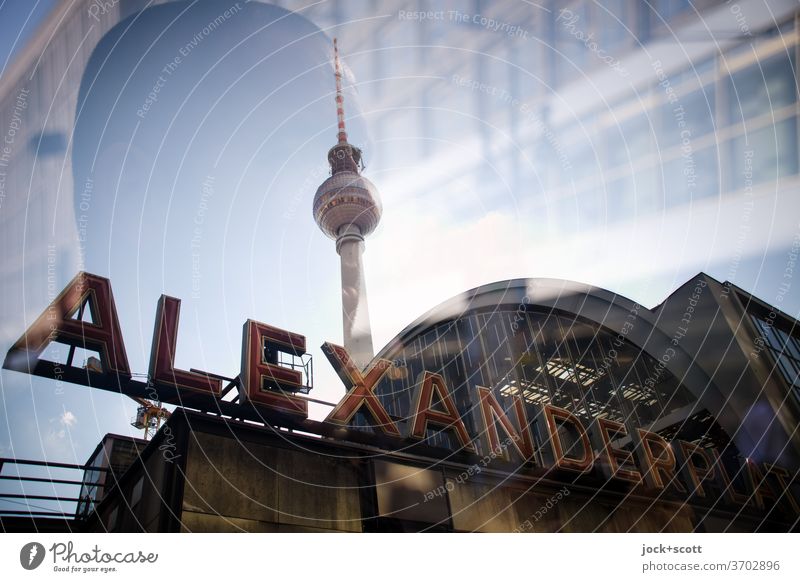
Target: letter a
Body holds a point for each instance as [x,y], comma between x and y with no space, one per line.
[57,324]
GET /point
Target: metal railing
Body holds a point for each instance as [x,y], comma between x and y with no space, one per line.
[63,489]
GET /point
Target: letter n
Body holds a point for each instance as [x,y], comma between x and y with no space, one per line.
[491,411]
[59,323]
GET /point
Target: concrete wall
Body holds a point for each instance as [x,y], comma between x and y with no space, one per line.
[243,478]
[242,486]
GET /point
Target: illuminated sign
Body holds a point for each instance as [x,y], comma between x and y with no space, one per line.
[270,388]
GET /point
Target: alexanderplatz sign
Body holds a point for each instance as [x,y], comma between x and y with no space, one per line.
[271,392]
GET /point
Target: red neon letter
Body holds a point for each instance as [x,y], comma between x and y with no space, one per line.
[102,335]
[553,414]
[162,353]
[361,392]
[616,457]
[491,410]
[660,467]
[423,413]
[259,370]
[689,451]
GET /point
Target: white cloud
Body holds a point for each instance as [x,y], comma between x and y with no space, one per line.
[68,419]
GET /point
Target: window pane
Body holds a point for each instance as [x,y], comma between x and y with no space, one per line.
[707,173]
[692,116]
[761,88]
[611,22]
[692,177]
[628,141]
[571,24]
[766,155]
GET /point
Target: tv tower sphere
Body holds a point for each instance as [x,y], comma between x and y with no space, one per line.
[346,204]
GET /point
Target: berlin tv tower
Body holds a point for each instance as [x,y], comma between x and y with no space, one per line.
[347,208]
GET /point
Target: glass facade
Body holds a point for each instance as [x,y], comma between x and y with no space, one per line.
[782,343]
[546,358]
[730,124]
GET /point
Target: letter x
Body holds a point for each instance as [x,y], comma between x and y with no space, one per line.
[362,389]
